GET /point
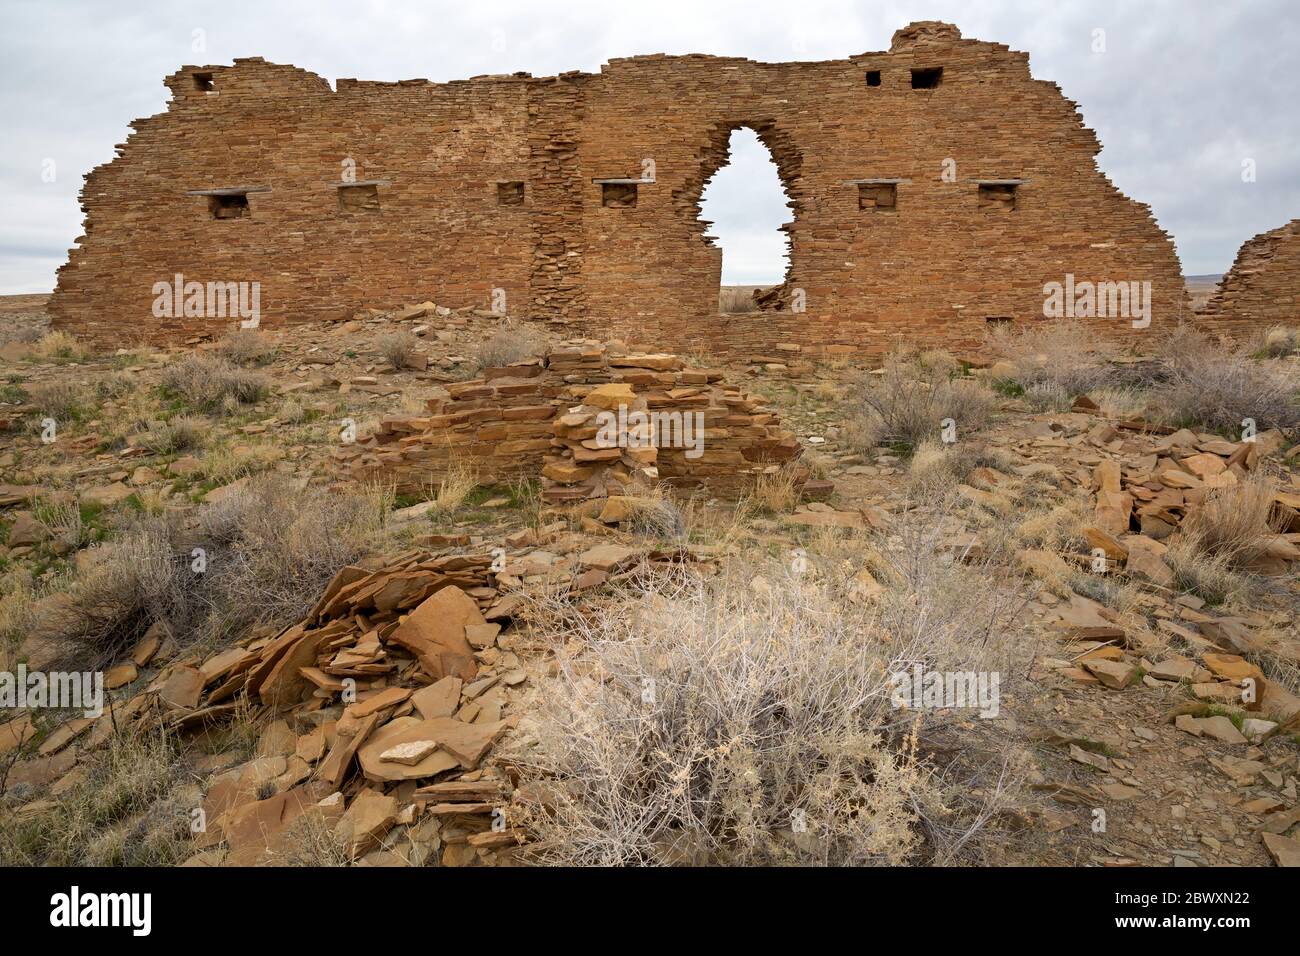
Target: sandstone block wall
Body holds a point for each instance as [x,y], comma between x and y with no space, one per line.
[1263,287]
[495,183]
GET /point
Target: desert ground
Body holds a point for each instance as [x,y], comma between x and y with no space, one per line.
[305,669]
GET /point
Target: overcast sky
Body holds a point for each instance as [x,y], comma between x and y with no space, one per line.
[1185,91]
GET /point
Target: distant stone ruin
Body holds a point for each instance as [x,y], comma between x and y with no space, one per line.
[1262,288]
[934,188]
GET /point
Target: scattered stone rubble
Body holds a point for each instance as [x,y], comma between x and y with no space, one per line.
[380,709]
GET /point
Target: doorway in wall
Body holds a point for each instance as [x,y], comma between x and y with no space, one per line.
[746,209]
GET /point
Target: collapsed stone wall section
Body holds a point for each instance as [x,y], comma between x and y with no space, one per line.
[512,422]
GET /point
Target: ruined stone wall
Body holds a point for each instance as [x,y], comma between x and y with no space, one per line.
[933,268]
[437,152]
[1262,289]
[510,423]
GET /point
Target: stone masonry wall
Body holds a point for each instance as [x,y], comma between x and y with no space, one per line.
[1262,289]
[933,268]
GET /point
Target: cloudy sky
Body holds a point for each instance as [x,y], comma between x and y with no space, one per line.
[1184,93]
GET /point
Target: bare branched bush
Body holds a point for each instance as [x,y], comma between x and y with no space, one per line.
[749,719]
[1216,387]
[275,547]
[247,347]
[398,348]
[910,401]
[62,401]
[1059,357]
[214,385]
[513,342]
[134,581]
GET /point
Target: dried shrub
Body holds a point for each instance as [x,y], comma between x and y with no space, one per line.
[910,400]
[1055,358]
[134,580]
[694,720]
[214,385]
[247,347]
[1217,387]
[268,549]
[274,547]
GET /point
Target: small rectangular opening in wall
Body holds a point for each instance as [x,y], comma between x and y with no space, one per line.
[998,319]
[359,197]
[203,81]
[998,196]
[927,78]
[873,77]
[619,195]
[510,194]
[879,196]
[231,206]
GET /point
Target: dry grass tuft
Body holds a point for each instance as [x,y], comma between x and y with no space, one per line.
[777,491]
[182,433]
[514,341]
[133,809]
[398,348]
[454,488]
[936,466]
[1280,341]
[1232,523]
[59,347]
[62,401]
